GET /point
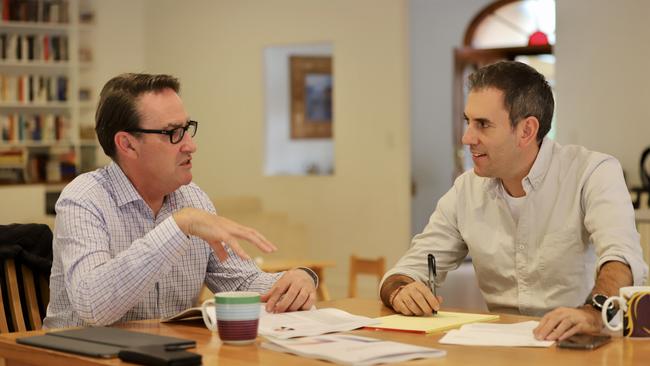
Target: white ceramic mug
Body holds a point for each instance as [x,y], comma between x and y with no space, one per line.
[634,302]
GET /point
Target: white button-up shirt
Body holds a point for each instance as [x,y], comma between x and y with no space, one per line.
[577,216]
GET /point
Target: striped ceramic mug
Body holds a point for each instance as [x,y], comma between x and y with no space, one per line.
[237,316]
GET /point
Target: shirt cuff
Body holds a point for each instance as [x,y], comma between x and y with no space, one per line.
[312,274]
[612,258]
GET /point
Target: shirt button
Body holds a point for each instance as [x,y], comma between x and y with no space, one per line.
[521,247]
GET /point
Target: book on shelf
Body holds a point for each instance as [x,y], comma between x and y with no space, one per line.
[51,165]
[12,164]
[33,47]
[12,158]
[47,11]
[21,166]
[33,89]
[34,127]
[12,175]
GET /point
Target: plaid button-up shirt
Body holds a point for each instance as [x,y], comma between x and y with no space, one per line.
[114,261]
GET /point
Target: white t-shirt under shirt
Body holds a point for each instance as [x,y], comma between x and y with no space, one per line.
[515,204]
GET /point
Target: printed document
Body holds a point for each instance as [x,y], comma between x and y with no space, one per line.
[310,323]
[350,349]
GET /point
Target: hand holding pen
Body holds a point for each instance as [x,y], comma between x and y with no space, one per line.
[416,298]
[431,262]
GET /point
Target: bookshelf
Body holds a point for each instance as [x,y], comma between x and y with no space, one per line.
[46,102]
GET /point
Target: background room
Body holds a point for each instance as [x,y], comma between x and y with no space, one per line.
[392,149]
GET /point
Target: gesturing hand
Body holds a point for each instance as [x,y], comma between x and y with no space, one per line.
[415,299]
[218,230]
[295,290]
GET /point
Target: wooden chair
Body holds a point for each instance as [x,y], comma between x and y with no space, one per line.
[375,267]
[24,297]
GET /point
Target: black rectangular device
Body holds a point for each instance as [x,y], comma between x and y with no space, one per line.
[158,356]
[584,341]
[124,338]
[71,346]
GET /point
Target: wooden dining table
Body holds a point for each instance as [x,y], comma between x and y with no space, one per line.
[620,351]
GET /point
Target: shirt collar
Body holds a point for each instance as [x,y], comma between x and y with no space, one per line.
[535,175]
[541,164]
[124,190]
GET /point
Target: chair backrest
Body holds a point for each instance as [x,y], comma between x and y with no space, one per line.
[375,267]
[24,297]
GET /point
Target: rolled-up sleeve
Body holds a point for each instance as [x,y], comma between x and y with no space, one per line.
[610,220]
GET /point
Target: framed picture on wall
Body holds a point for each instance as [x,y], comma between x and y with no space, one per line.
[312,84]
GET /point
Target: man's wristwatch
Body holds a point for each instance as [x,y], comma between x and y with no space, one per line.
[311,274]
[597,301]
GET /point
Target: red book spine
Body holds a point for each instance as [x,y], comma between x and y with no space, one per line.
[5,9]
[12,128]
[46,48]
[21,92]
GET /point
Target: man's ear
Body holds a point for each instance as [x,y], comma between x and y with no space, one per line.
[126,145]
[527,131]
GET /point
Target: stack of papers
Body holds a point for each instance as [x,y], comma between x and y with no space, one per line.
[443,320]
[512,335]
[351,349]
[310,323]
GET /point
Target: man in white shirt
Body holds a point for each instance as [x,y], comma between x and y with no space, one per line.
[538,219]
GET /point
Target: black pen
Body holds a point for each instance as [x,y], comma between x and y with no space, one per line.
[431,260]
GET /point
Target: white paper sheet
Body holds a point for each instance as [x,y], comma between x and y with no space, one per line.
[490,334]
[310,323]
[350,349]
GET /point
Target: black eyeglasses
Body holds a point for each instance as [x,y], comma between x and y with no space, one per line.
[175,134]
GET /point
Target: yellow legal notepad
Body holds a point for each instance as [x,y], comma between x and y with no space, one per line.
[443,320]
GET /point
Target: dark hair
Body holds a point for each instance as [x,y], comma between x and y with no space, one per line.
[526,92]
[117,110]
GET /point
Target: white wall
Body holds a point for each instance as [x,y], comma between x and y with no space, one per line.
[22,204]
[603,84]
[436,28]
[283,155]
[216,49]
[118,47]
